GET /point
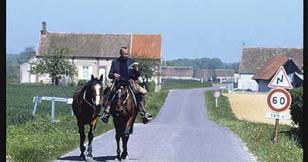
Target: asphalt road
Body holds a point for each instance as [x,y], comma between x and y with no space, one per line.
[180,133]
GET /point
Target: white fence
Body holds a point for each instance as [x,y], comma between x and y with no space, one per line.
[37,99]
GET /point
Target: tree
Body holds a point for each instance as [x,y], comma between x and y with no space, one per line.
[215,63]
[147,67]
[54,63]
[26,55]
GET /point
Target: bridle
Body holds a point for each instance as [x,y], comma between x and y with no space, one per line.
[126,98]
[90,103]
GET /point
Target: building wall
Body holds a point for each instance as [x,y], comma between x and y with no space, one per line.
[245,82]
[25,75]
[176,77]
[94,66]
[263,86]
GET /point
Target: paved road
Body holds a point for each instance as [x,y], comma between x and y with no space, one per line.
[180,133]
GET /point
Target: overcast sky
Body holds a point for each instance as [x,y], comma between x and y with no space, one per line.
[189,28]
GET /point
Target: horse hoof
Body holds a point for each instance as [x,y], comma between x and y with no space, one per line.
[119,157]
[82,157]
[89,159]
[123,155]
[89,155]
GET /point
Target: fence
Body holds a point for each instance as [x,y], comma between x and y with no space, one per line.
[37,100]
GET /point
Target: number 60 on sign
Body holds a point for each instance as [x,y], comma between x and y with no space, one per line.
[279,99]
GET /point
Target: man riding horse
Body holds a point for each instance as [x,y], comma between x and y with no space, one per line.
[125,69]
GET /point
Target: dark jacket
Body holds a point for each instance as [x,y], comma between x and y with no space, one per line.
[115,68]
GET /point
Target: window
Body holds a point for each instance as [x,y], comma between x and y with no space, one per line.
[85,72]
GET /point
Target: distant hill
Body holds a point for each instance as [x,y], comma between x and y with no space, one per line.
[12,69]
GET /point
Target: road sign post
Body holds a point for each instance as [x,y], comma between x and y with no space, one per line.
[280,80]
[278,100]
[275,134]
[216,95]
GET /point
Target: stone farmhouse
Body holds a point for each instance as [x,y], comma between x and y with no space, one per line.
[92,53]
[223,75]
[265,74]
[177,72]
[254,58]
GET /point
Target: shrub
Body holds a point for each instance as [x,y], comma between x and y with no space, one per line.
[297,108]
[82,82]
[151,86]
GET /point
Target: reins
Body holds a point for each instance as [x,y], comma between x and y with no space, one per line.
[89,103]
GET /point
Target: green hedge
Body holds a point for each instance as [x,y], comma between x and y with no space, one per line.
[297,111]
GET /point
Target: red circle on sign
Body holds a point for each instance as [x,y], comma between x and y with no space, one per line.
[276,90]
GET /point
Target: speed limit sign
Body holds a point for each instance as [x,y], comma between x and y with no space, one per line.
[279,99]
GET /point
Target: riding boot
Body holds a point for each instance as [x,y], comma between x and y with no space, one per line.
[146,117]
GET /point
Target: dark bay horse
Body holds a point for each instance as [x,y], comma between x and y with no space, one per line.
[124,112]
[86,106]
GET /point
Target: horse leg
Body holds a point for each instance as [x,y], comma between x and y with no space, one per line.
[82,138]
[128,126]
[117,136]
[124,141]
[90,139]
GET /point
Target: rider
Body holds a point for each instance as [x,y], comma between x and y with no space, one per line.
[124,68]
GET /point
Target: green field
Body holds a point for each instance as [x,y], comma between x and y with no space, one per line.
[36,138]
[257,136]
[32,138]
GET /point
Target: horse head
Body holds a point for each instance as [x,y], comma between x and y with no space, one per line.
[95,89]
[122,98]
[92,91]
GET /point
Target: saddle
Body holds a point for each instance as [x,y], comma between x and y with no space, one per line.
[110,93]
[137,88]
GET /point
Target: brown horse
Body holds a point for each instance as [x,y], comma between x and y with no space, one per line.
[124,112]
[86,106]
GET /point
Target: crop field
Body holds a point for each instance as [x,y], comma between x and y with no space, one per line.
[252,107]
[256,135]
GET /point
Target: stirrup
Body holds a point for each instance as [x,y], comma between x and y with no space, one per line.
[105,117]
[148,116]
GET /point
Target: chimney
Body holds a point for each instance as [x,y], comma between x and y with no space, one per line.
[44,28]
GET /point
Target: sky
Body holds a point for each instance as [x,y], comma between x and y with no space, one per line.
[189,28]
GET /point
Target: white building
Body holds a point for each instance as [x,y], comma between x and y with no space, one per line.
[253,58]
[92,53]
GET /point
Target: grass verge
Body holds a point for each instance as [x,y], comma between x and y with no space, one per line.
[36,138]
[257,136]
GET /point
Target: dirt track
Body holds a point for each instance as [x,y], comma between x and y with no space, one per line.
[252,107]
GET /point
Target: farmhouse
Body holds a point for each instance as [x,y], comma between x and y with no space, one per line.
[176,72]
[92,53]
[254,58]
[223,75]
[265,74]
[204,74]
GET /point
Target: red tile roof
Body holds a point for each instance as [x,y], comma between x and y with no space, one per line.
[146,46]
[253,58]
[271,66]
